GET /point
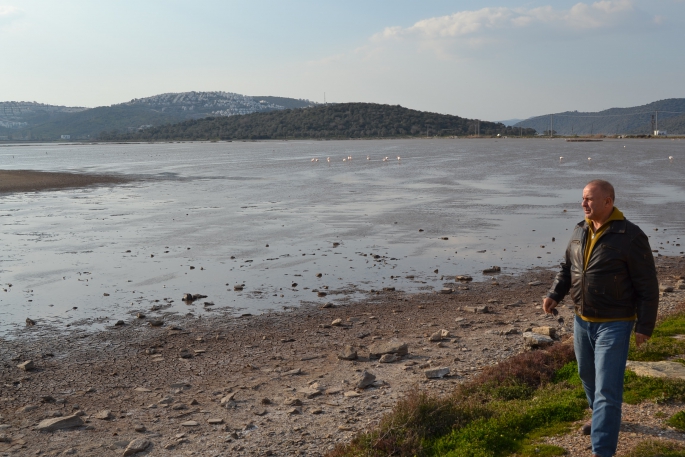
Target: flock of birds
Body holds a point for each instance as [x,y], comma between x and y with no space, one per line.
[349,158]
[589,159]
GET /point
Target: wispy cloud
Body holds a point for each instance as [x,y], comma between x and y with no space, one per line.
[492,25]
[9,13]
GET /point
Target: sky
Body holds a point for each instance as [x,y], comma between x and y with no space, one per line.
[486,59]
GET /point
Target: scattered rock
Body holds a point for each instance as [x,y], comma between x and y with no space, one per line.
[348,353]
[393,346]
[327,305]
[477,309]
[464,278]
[388,358]
[292,401]
[663,369]
[104,415]
[446,290]
[136,446]
[548,331]
[140,428]
[26,366]
[351,394]
[228,398]
[665,289]
[536,341]
[435,373]
[215,421]
[437,336]
[365,380]
[493,269]
[59,423]
[30,322]
[190,424]
[535,283]
[239,287]
[337,322]
[321,293]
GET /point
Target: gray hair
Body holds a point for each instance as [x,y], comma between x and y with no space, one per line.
[605,186]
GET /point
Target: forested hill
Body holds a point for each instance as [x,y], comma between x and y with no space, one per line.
[344,120]
[669,115]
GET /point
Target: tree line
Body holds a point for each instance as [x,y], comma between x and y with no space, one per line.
[343,120]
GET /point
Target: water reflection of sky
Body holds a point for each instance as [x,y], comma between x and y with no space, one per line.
[499,202]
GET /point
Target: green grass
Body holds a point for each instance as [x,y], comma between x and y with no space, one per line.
[677,421]
[657,448]
[511,407]
[661,345]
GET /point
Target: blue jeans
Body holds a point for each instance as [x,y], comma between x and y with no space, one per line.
[602,350]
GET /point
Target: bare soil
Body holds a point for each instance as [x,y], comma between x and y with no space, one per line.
[33,181]
[284,390]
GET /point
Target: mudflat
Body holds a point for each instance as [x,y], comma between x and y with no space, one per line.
[34,181]
[280,383]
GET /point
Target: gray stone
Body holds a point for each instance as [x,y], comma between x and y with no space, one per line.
[435,373]
[446,290]
[393,346]
[535,283]
[663,369]
[292,401]
[365,380]
[26,366]
[104,415]
[477,309]
[463,278]
[310,392]
[336,322]
[348,353]
[666,289]
[228,398]
[388,358]
[493,269]
[136,446]
[190,424]
[548,331]
[437,336]
[535,340]
[59,423]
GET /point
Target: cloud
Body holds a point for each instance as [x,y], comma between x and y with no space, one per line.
[492,25]
[9,13]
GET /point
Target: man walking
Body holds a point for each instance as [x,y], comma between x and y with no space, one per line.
[609,271]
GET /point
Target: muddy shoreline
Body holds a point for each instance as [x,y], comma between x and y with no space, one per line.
[271,384]
[35,181]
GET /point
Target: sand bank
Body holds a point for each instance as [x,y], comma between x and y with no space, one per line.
[34,181]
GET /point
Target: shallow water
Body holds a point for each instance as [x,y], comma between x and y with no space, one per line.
[499,202]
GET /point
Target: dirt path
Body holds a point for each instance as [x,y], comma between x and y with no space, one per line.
[284,390]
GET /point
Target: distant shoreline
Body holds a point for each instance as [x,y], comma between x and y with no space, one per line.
[34,181]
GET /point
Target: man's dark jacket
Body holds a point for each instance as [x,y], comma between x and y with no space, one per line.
[620,279]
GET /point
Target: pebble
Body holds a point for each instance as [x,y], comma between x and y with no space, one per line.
[436,373]
[388,358]
[348,353]
[26,366]
[59,423]
[136,446]
[104,415]
[337,322]
[190,424]
[365,380]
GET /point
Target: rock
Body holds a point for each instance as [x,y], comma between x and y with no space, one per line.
[351,394]
[680,285]
[26,366]
[215,421]
[321,293]
[535,341]
[155,323]
[239,287]
[337,322]
[548,331]
[188,297]
[228,398]
[140,315]
[477,309]
[445,333]
[294,411]
[493,269]
[437,336]
[388,358]
[59,423]
[292,401]
[663,369]
[348,353]
[27,409]
[265,401]
[119,323]
[310,392]
[435,373]
[190,424]
[666,289]
[327,305]
[140,428]
[463,278]
[393,346]
[30,322]
[293,372]
[136,446]
[535,283]
[446,290]
[104,415]
[365,380]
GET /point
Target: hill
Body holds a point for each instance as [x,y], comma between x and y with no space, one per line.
[36,121]
[343,120]
[634,120]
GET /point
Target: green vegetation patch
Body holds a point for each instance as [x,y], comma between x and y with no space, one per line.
[658,448]
[677,421]
[661,345]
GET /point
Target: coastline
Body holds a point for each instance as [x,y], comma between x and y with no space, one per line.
[284,390]
[35,181]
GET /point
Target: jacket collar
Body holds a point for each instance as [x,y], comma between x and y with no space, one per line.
[614,226]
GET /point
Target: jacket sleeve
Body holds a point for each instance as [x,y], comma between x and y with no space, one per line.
[645,283]
[562,282]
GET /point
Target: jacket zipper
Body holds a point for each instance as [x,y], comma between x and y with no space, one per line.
[583,246]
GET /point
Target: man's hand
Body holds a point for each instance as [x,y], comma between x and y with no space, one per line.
[640,338]
[548,305]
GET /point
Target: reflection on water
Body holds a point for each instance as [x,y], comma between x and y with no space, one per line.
[206,216]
